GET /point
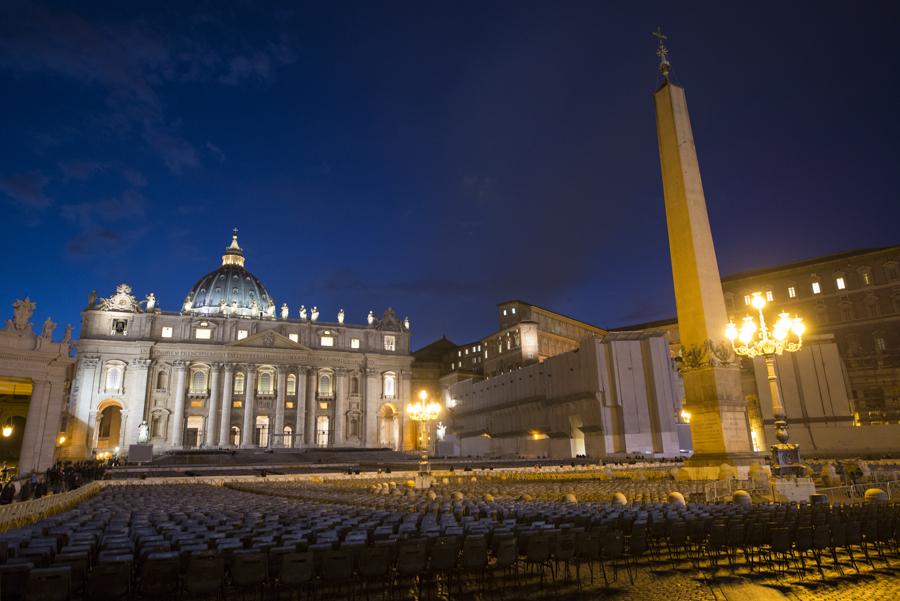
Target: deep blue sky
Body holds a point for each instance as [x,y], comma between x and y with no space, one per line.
[439,157]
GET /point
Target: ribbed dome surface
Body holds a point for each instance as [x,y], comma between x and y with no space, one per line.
[231,289]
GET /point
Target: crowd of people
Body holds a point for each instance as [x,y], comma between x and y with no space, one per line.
[60,477]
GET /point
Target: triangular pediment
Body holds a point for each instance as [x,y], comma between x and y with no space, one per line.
[270,339]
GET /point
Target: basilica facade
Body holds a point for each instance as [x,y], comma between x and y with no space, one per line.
[231,369]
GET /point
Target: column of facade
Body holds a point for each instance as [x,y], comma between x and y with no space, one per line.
[280,385]
[84,393]
[372,405]
[212,404]
[248,404]
[225,413]
[311,382]
[136,389]
[340,405]
[176,428]
[408,442]
[123,429]
[300,405]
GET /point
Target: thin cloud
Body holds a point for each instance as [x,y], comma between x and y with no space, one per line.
[26,189]
[80,170]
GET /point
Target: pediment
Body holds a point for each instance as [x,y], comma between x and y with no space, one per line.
[270,339]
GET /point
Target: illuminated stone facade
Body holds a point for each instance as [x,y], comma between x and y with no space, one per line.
[232,369]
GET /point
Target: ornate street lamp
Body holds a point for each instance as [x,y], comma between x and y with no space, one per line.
[7,428]
[752,340]
[424,412]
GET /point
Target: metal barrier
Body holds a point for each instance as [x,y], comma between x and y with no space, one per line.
[855,493]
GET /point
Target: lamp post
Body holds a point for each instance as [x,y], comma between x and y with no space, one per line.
[755,340]
[423,412]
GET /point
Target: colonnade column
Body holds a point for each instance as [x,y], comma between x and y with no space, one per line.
[225,413]
[280,385]
[32,438]
[372,404]
[340,390]
[300,405]
[248,404]
[215,386]
[176,428]
[312,402]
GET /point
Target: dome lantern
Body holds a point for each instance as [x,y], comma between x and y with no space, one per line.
[234,254]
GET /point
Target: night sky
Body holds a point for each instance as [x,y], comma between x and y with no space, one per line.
[437,157]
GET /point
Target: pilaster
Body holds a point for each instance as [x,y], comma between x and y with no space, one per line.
[212,405]
[225,417]
[249,401]
[176,428]
[275,437]
[299,430]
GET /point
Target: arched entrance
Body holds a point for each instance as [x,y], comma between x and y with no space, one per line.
[389,427]
[322,424]
[109,425]
[15,398]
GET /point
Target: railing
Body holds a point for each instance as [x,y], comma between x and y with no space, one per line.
[718,490]
[855,493]
[24,513]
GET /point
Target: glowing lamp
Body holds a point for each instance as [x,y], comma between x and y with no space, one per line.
[758,301]
[61,440]
[731,331]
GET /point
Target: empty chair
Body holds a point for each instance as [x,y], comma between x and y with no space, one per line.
[204,575]
[249,570]
[109,581]
[158,578]
[49,584]
[78,564]
[14,580]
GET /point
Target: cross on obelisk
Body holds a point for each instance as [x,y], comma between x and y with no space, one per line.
[712,381]
[662,52]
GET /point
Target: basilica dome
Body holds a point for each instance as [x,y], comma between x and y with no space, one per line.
[230,289]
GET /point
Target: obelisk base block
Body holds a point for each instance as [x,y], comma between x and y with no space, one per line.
[719,426]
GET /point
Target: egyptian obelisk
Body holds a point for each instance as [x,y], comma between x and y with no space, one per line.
[712,384]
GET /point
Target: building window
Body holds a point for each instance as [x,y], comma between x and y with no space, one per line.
[846,311]
[880,344]
[504,312]
[325,385]
[265,385]
[291,385]
[867,278]
[513,310]
[287,439]
[452,366]
[354,343]
[167,332]
[113,377]
[198,382]
[746,299]
[816,288]
[872,307]
[792,292]
[294,338]
[892,272]
[202,333]
[390,343]
[389,385]
[326,341]
[769,296]
[239,383]
[242,334]
[235,436]
[119,327]
[840,283]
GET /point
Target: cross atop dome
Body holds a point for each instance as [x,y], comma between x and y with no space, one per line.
[234,254]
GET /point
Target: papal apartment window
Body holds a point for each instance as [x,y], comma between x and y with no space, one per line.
[792,292]
[746,299]
[816,288]
[294,337]
[840,283]
[459,353]
[867,278]
[769,296]
[513,310]
[326,341]
[354,343]
[504,312]
[892,272]
[242,334]
[390,343]
[167,332]
[239,383]
[119,327]
[202,333]
[880,344]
